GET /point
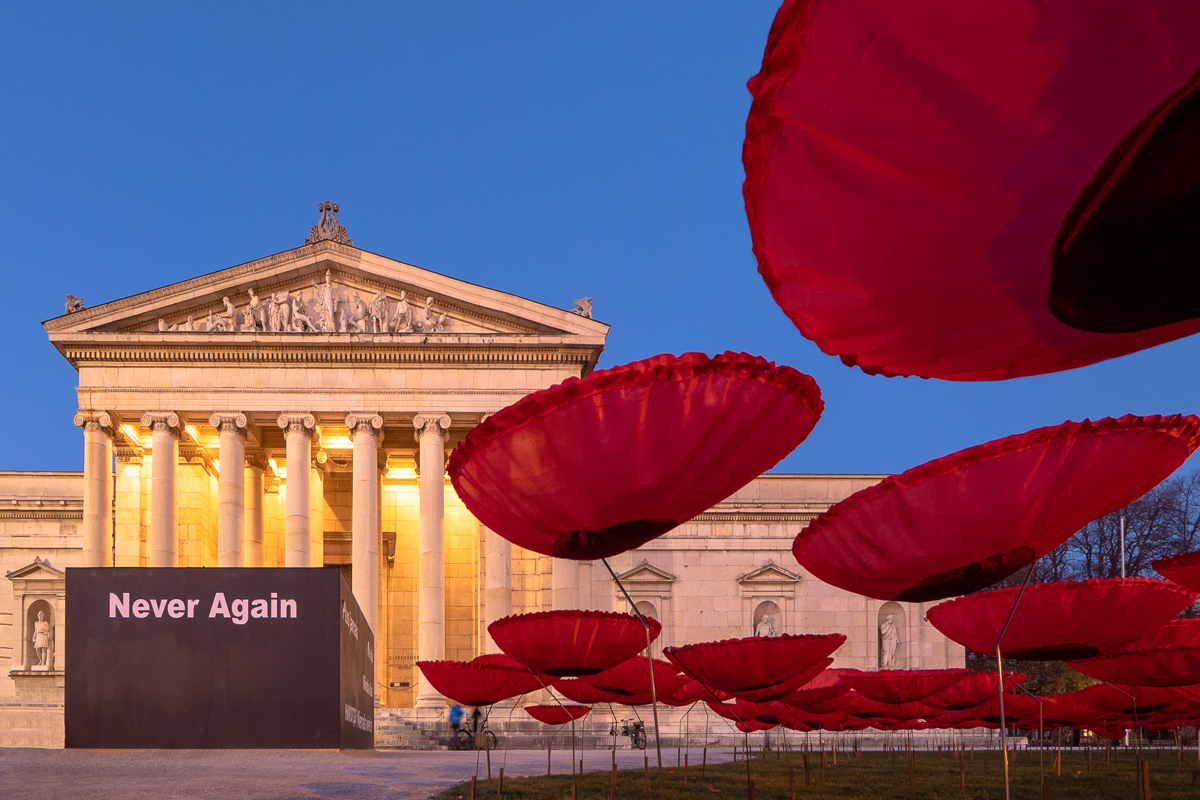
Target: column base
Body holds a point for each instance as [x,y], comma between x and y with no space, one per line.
[430,701]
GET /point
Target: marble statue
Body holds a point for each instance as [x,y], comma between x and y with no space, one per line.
[228,321]
[427,316]
[326,303]
[583,307]
[765,627]
[42,638]
[402,320]
[377,309]
[257,314]
[890,638]
[282,301]
[354,316]
[438,325]
[301,321]
[74,304]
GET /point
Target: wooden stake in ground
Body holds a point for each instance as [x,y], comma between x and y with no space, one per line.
[1145,780]
[547,758]
[807,779]
[472,787]
[500,785]
[685,768]
[612,784]
[792,781]
[704,762]
[646,772]
[750,790]
[488,751]
[822,765]
[912,758]
[962,770]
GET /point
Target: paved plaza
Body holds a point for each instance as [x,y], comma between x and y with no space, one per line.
[29,774]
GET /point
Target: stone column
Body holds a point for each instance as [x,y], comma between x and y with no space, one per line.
[298,431]
[231,487]
[565,583]
[97,486]
[316,510]
[164,444]
[252,530]
[431,558]
[366,431]
[497,585]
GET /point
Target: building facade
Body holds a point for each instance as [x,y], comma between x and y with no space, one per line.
[297,411]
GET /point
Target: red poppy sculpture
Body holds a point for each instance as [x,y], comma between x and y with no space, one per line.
[757,668]
[599,465]
[631,677]
[1140,700]
[571,642]
[962,522]
[1169,656]
[577,691]
[1016,707]
[1183,569]
[556,715]
[904,685]
[478,684]
[827,685]
[944,190]
[1058,621]
[972,690]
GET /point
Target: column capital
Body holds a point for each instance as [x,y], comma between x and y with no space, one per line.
[298,423]
[258,461]
[431,422]
[364,422]
[319,459]
[229,422]
[95,421]
[158,421]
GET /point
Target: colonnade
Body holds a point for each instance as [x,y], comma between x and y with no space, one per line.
[240,486]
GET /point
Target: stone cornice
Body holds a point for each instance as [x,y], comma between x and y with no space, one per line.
[794,517]
[318,351]
[30,513]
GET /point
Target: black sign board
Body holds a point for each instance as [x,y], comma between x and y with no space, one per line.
[217,658]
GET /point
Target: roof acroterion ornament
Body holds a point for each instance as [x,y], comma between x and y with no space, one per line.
[328,229]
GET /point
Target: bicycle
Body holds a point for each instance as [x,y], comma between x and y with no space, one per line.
[635,730]
[481,738]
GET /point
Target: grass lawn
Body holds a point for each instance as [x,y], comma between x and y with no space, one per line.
[881,775]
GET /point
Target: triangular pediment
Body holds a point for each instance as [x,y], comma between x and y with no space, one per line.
[644,573]
[38,570]
[769,573]
[324,290]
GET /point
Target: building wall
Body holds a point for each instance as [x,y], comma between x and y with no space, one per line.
[705,580]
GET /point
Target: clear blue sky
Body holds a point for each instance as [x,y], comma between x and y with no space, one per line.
[552,150]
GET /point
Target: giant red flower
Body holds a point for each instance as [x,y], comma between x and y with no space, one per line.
[599,465]
[1169,656]
[962,522]
[1184,569]
[903,685]
[757,668]
[571,642]
[978,191]
[1061,620]
[556,715]
[478,684]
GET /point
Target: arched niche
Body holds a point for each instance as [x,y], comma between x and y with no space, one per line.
[47,634]
[891,628]
[768,619]
[647,609]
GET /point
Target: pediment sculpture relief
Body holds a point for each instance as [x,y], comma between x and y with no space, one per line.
[330,309]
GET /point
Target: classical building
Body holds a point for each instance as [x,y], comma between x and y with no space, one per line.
[297,411]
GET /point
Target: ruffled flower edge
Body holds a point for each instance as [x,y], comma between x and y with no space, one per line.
[1185,427]
[914,673]
[516,619]
[1181,561]
[473,667]
[1059,587]
[726,643]
[656,369]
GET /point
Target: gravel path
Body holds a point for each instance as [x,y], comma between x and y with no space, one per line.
[27,774]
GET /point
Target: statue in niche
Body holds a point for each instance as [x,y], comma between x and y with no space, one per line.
[377,309]
[257,314]
[326,303]
[889,636]
[402,320]
[301,321]
[74,304]
[282,301]
[354,316]
[43,638]
[765,627]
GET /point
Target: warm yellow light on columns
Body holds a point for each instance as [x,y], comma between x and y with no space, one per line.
[252,524]
[497,586]
[431,435]
[231,487]
[164,444]
[366,432]
[298,432]
[97,486]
